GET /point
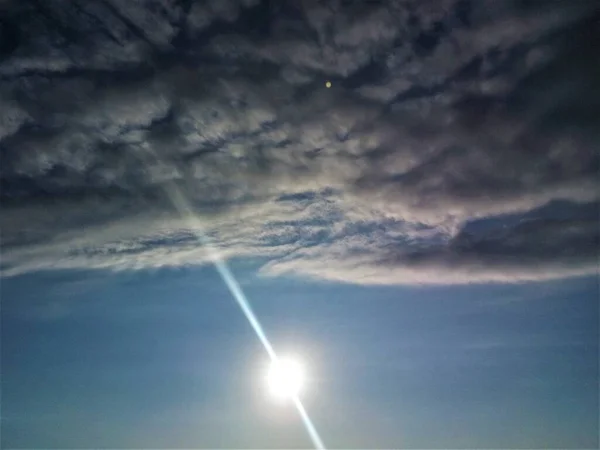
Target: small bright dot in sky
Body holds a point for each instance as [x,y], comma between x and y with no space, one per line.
[328,84]
[285,378]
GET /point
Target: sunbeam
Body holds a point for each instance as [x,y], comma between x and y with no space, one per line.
[182,206]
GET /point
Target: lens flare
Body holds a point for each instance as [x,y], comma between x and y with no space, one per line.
[185,210]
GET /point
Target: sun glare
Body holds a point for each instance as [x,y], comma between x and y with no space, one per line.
[285,378]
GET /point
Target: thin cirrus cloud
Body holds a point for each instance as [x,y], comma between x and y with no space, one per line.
[457,143]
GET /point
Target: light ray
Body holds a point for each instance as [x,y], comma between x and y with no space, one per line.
[183,207]
[185,210]
[310,428]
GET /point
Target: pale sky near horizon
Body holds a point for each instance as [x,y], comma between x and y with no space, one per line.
[165,359]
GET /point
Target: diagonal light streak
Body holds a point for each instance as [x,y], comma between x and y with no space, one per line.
[310,428]
[183,207]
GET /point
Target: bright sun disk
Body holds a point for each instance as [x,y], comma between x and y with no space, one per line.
[285,378]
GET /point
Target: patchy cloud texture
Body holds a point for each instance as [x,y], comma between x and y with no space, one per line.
[458,142]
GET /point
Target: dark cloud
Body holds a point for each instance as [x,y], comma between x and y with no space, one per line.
[449,132]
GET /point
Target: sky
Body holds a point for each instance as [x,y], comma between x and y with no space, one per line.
[165,359]
[407,193]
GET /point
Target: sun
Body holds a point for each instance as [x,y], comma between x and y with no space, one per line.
[285,378]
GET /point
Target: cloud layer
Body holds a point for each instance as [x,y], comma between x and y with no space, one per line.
[458,142]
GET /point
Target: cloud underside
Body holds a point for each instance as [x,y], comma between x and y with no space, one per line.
[458,141]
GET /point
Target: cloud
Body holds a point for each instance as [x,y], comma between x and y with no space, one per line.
[536,250]
[440,118]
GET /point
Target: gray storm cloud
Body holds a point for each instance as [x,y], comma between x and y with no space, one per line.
[458,142]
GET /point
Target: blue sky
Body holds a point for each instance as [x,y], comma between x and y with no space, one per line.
[166,359]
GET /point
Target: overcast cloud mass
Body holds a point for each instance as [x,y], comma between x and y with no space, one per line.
[458,142]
